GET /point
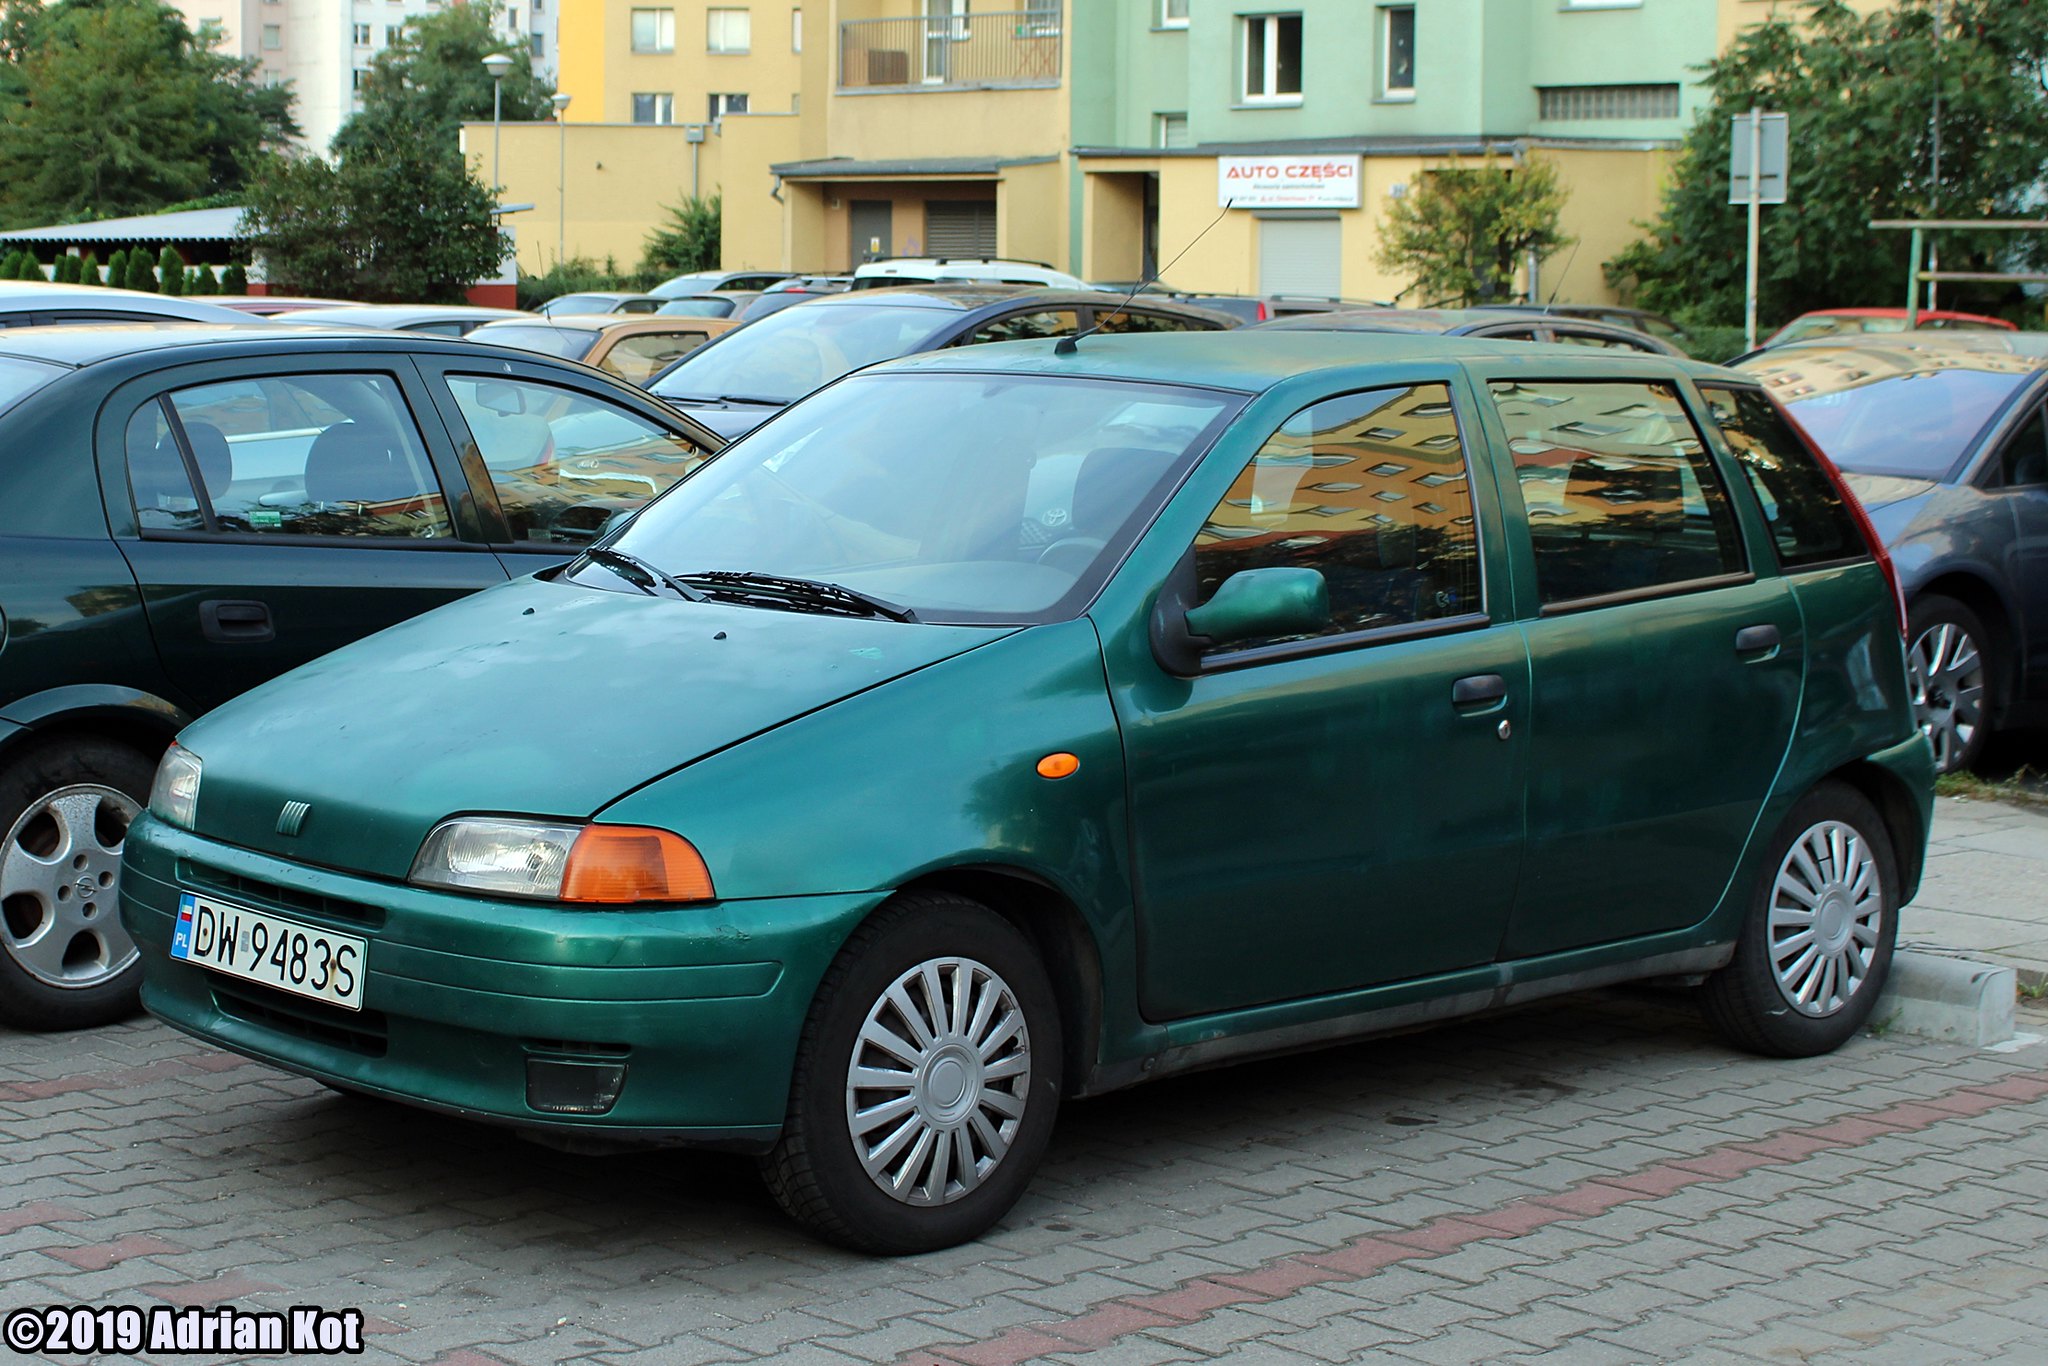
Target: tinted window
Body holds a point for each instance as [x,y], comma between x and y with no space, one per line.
[700,306]
[311,455]
[2024,461]
[570,343]
[1619,491]
[641,357]
[565,464]
[1598,339]
[1054,322]
[1141,321]
[1810,524]
[787,355]
[1893,410]
[1370,490]
[158,477]
[578,303]
[20,378]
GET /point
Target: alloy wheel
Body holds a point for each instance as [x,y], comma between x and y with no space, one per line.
[60,868]
[1945,668]
[1825,918]
[936,1087]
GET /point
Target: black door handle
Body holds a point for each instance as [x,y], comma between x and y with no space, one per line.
[1755,639]
[1467,692]
[236,622]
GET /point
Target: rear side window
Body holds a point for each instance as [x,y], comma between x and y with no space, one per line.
[1146,322]
[20,378]
[1810,524]
[1052,322]
[1620,494]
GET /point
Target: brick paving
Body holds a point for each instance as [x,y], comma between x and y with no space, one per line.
[1595,1179]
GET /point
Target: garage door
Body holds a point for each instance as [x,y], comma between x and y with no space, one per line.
[956,229]
[1301,256]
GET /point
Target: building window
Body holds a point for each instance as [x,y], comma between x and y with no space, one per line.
[391,32]
[1603,4]
[356,78]
[1170,130]
[654,109]
[210,31]
[654,30]
[1272,59]
[721,105]
[1397,49]
[540,6]
[538,44]
[1579,103]
[1173,13]
[362,35]
[273,37]
[796,30]
[728,30]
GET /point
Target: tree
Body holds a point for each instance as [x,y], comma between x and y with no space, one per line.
[89,270]
[66,270]
[170,271]
[203,281]
[113,107]
[234,280]
[1463,231]
[117,269]
[391,219]
[433,78]
[137,273]
[1859,92]
[687,240]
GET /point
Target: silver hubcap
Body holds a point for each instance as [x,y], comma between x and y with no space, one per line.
[1947,673]
[59,871]
[1827,908]
[936,1088]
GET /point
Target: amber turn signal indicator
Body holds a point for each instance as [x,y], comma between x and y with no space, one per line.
[1060,765]
[618,864]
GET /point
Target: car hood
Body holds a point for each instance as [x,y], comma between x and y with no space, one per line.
[538,698]
[1882,490]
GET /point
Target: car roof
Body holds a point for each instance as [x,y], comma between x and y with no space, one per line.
[967,297]
[607,322]
[397,315]
[17,296]
[1873,354]
[92,343]
[1257,359]
[1404,319]
[604,294]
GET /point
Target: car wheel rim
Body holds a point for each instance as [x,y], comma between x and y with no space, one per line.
[1947,673]
[1826,914]
[936,1088]
[60,869]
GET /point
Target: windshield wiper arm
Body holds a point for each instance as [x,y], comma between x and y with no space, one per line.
[628,566]
[812,593]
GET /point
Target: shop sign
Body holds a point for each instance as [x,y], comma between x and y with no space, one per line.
[1288,182]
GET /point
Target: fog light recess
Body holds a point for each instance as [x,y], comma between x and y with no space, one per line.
[568,1086]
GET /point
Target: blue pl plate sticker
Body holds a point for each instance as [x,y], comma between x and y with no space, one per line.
[181,938]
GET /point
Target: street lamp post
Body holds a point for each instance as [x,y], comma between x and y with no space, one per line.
[497,64]
[561,103]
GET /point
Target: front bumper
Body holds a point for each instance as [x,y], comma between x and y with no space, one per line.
[701,1006]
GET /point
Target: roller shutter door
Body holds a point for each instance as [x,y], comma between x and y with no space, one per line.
[1301,256]
[955,229]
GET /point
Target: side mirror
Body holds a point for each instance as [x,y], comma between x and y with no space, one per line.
[1263,602]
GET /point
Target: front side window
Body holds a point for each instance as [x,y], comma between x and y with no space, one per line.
[652,107]
[1619,492]
[1369,490]
[291,455]
[2024,461]
[1272,59]
[1810,524]
[641,357]
[1050,322]
[1397,48]
[728,30]
[565,464]
[654,30]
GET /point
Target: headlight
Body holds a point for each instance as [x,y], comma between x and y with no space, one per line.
[548,861]
[174,796]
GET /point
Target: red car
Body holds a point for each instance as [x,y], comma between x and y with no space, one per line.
[1836,322]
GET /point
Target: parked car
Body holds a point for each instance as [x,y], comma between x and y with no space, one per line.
[933,270]
[633,348]
[442,320]
[26,303]
[272,305]
[1634,319]
[1478,322]
[723,304]
[332,500]
[742,379]
[713,281]
[1941,434]
[1835,322]
[1025,722]
[791,292]
[599,301]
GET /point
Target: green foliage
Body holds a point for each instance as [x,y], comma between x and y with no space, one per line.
[392,219]
[170,271]
[60,272]
[572,276]
[10,269]
[234,280]
[433,78]
[138,274]
[89,270]
[115,107]
[1464,231]
[117,269]
[203,281]
[686,240]
[1859,92]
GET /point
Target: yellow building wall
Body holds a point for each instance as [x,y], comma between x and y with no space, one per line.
[1736,15]
[1031,212]
[1608,193]
[601,73]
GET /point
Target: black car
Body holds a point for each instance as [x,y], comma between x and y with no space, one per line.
[1478,322]
[736,382]
[188,511]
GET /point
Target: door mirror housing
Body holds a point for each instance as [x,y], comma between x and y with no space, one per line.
[1263,602]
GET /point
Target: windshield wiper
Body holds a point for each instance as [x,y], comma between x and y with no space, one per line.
[640,574]
[802,594]
[757,400]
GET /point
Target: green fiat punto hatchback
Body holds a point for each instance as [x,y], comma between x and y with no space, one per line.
[1011,725]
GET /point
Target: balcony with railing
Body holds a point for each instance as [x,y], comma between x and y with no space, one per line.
[997,50]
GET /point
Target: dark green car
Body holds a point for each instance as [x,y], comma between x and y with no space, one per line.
[187,511]
[1011,725]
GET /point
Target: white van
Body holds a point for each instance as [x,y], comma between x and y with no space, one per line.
[931,270]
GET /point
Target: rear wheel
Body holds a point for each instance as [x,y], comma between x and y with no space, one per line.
[66,962]
[1954,682]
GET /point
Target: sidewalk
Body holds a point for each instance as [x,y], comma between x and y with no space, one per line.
[1986,887]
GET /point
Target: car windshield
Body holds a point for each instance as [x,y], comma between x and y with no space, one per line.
[965,498]
[1873,417]
[582,303]
[570,343]
[789,354]
[1829,325]
[20,378]
[697,306]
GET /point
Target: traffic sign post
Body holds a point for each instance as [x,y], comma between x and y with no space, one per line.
[1756,176]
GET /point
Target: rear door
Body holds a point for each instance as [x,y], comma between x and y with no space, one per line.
[2017,475]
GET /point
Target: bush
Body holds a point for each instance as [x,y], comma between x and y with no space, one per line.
[170,269]
[572,276]
[65,272]
[89,270]
[137,274]
[687,240]
[234,280]
[203,281]
[117,269]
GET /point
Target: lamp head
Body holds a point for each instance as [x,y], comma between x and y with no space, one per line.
[497,64]
[560,101]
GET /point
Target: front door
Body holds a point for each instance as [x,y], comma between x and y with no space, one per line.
[1325,812]
[870,233]
[1666,674]
[2020,481]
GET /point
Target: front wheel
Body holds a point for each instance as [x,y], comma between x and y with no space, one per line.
[926,1083]
[1954,683]
[1816,945]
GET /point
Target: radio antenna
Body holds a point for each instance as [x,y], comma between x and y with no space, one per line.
[1066,346]
[1560,277]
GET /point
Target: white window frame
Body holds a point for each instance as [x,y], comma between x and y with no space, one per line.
[1168,19]
[717,36]
[1269,78]
[664,30]
[1388,90]
[360,33]
[1159,128]
[272,38]
[796,28]
[1599,4]
[664,101]
[720,99]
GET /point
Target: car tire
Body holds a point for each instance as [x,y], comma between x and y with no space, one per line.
[66,961]
[879,1169]
[1829,874]
[1952,669]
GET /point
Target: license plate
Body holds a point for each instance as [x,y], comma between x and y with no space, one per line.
[281,954]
